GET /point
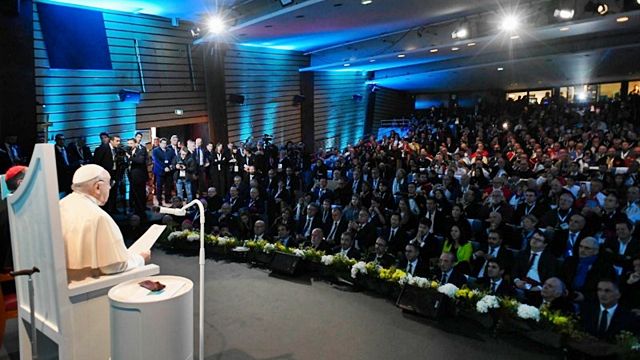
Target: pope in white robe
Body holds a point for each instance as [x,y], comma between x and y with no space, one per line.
[93,242]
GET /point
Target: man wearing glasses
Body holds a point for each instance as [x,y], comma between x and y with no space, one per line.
[93,242]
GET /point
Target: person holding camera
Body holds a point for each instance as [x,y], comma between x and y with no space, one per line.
[185,171]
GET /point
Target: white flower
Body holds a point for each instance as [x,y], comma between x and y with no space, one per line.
[358,268]
[422,283]
[448,289]
[193,237]
[405,280]
[222,241]
[327,260]
[174,235]
[269,248]
[528,312]
[298,252]
[486,303]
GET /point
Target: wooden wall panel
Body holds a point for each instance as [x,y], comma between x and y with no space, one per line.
[268,79]
[339,118]
[85,102]
[391,104]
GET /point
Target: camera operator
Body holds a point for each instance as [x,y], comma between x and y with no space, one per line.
[185,172]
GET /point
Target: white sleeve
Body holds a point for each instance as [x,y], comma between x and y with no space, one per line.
[133,261]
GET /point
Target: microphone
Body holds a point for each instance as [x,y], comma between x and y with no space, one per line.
[170,211]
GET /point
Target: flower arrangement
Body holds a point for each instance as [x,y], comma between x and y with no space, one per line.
[327,260]
[313,255]
[528,312]
[299,253]
[193,237]
[487,302]
[269,248]
[358,268]
[448,289]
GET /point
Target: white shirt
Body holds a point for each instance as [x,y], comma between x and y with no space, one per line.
[533,273]
[610,312]
[92,240]
[412,265]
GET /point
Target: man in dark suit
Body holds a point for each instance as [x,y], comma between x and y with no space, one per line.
[530,206]
[412,264]
[257,205]
[336,227]
[106,155]
[447,273]
[320,192]
[63,165]
[606,318]
[554,296]
[308,223]
[162,161]
[581,273]
[430,247]
[260,232]
[381,255]
[291,181]
[623,248]
[364,231]
[494,249]
[566,242]
[436,217]
[222,218]
[394,235]
[346,247]
[494,281]
[138,176]
[533,267]
[236,201]
[79,153]
[317,241]
[202,167]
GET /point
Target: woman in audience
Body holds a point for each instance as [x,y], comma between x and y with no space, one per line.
[460,247]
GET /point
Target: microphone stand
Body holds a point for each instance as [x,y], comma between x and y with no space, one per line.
[201,260]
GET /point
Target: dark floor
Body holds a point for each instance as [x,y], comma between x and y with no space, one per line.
[250,314]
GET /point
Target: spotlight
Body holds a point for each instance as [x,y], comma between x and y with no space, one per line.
[564,14]
[460,33]
[599,8]
[505,125]
[216,25]
[286,2]
[195,32]
[366,2]
[582,96]
[509,23]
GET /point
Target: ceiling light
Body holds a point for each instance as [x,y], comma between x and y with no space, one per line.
[346,65]
[460,34]
[366,2]
[509,23]
[565,14]
[513,37]
[286,2]
[622,19]
[500,68]
[564,28]
[600,8]
[433,50]
[372,60]
[216,25]
[401,55]
[455,49]
[471,44]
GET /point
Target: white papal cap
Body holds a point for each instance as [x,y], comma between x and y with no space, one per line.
[88,172]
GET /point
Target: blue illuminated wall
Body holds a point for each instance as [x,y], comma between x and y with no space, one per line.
[339,119]
[85,102]
[268,79]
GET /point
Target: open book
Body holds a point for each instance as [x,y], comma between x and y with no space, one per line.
[146,241]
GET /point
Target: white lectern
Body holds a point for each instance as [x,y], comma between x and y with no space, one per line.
[152,325]
[72,319]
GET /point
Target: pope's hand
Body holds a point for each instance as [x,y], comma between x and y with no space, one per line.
[146,255]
